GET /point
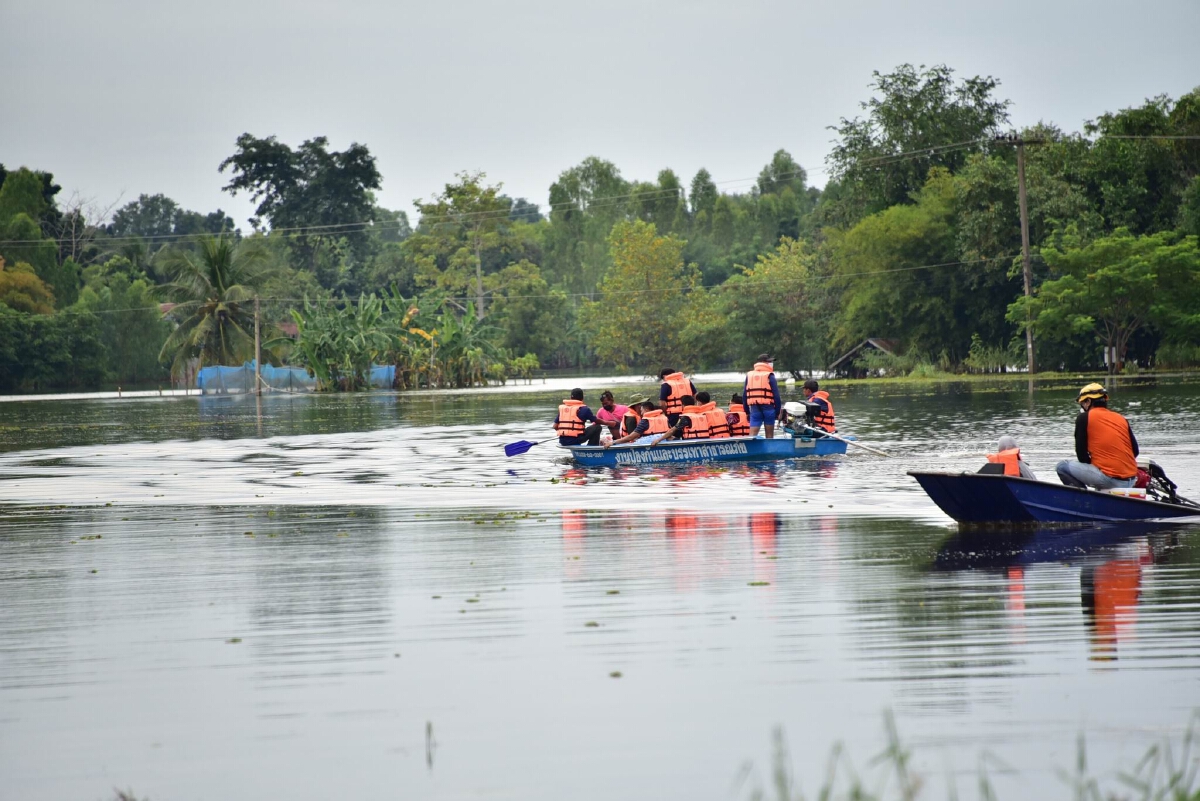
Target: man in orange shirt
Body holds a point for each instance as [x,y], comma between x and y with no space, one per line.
[1105,447]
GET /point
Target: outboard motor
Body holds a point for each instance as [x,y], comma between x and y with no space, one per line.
[1161,488]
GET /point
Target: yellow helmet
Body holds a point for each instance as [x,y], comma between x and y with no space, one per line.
[1092,391]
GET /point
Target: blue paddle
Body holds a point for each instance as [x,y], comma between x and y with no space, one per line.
[517,448]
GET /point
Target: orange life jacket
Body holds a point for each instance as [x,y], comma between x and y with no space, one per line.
[680,386]
[657,422]
[630,412]
[1108,443]
[824,419]
[758,386]
[718,426]
[569,424]
[1010,459]
[698,423]
[742,427]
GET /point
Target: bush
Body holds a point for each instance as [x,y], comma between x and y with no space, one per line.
[1176,355]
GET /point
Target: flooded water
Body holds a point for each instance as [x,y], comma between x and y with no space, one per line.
[360,597]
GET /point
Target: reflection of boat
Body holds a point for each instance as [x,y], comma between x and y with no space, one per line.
[731,449]
[981,550]
[989,498]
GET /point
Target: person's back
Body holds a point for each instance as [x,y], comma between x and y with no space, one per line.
[718,425]
[572,422]
[697,425]
[1105,449]
[739,423]
[675,386]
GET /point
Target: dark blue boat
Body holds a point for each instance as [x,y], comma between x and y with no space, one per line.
[988,498]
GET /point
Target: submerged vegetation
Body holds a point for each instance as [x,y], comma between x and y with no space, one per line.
[915,239]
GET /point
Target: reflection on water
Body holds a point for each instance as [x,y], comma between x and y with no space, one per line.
[372,601]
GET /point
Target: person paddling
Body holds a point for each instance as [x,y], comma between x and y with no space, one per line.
[1106,450]
[675,386]
[572,422]
[762,396]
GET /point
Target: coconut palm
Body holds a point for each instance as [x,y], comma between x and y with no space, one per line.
[213,286]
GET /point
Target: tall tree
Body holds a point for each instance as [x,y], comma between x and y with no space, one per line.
[585,202]
[325,194]
[214,287]
[913,109]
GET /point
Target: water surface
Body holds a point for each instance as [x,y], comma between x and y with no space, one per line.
[359,596]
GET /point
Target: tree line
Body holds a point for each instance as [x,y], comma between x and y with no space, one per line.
[915,238]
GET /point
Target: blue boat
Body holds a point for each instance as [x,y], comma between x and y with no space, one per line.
[729,449]
[995,499]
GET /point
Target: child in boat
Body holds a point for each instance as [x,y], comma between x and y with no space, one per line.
[1008,459]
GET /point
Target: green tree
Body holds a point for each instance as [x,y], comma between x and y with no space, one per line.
[21,289]
[214,288]
[644,298]
[457,227]
[1115,287]
[532,317]
[775,306]
[585,202]
[130,325]
[324,192]
[913,109]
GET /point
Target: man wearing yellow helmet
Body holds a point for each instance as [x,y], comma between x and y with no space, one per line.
[1105,447]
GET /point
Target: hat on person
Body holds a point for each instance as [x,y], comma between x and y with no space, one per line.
[766,357]
[637,397]
[1092,391]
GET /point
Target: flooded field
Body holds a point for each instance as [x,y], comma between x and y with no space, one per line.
[360,597]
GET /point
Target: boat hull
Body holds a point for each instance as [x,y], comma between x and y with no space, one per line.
[983,498]
[731,449]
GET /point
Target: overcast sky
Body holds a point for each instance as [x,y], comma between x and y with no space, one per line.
[122,98]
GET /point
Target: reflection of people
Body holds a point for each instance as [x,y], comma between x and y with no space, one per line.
[572,422]
[1109,594]
[1105,448]
[1009,456]
[762,396]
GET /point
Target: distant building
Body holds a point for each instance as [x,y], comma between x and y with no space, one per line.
[845,366]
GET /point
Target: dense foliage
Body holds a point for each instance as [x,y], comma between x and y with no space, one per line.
[915,238]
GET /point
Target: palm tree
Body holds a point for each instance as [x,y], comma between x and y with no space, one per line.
[211,286]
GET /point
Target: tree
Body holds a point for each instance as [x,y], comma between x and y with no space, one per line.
[324,194]
[213,288]
[21,289]
[774,306]
[130,325]
[782,172]
[585,202]
[915,109]
[644,298]
[1115,287]
[532,317]
[704,198]
[457,226]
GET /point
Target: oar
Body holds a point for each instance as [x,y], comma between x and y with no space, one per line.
[517,448]
[824,433]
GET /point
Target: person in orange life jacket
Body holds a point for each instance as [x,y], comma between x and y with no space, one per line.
[1008,455]
[739,424]
[1105,448]
[651,421]
[572,422]
[611,412]
[674,386]
[718,425]
[823,415]
[687,418]
[633,414]
[762,396]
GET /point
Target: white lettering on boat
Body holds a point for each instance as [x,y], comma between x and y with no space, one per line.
[681,453]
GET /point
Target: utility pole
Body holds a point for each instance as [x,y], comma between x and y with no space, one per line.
[258,351]
[1025,265]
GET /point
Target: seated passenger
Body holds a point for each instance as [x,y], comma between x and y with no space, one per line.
[571,422]
[633,414]
[650,421]
[739,424]
[822,415]
[718,426]
[1008,457]
[697,427]
[611,413]
[674,387]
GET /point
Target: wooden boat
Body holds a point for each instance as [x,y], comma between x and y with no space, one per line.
[730,449]
[989,498]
